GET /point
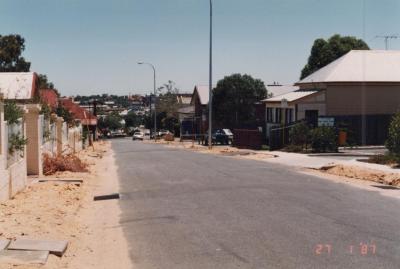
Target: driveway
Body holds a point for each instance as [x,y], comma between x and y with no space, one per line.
[182,209]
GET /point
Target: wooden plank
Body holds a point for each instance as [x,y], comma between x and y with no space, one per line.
[54,247]
[23,257]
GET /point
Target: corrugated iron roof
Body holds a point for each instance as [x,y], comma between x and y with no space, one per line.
[359,66]
[20,86]
[276,90]
[203,92]
[290,97]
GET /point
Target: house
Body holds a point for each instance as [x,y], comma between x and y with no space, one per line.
[84,116]
[200,98]
[19,86]
[278,89]
[360,90]
[49,97]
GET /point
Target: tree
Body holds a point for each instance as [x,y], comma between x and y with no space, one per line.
[323,52]
[111,122]
[133,120]
[11,48]
[167,107]
[66,115]
[234,100]
[393,141]
[44,83]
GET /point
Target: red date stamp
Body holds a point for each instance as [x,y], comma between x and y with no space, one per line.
[363,249]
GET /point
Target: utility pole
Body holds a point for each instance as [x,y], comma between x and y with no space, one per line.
[210,84]
[155,97]
[386,38]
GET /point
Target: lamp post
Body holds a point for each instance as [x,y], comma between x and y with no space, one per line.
[210,83]
[155,99]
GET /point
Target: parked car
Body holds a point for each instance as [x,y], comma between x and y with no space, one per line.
[161,133]
[138,136]
[220,136]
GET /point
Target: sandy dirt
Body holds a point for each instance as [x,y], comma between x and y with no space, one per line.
[363,173]
[60,211]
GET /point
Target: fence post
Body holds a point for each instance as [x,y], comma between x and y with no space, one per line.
[59,135]
[34,136]
[3,137]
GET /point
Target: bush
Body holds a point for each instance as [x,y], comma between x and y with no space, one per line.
[293,148]
[324,139]
[393,141]
[387,159]
[12,112]
[72,163]
[299,134]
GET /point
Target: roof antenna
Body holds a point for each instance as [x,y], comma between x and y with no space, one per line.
[386,38]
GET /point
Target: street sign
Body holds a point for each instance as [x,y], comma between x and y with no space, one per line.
[326,121]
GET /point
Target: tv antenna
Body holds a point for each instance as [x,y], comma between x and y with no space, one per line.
[386,38]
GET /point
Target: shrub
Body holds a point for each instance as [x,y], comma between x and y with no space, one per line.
[16,142]
[393,141]
[12,112]
[324,139]
[299,134]
[293,148]
[72,163]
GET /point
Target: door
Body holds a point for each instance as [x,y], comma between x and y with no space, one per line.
[312,117]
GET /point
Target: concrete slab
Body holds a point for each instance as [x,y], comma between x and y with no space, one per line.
[4,243]
[62,180]
[23,257]
[54,247]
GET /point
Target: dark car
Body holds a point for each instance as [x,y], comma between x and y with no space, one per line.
[220,136]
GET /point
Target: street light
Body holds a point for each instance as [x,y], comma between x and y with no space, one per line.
[210,85]
[155,97]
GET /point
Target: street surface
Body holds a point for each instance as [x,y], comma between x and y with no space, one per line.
[183,209]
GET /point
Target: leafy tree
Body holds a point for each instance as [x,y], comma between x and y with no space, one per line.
[110,122]
[11,48]
[234,99]
[44,83]
[323,52]
[393,141]
[66,115]
[133,120]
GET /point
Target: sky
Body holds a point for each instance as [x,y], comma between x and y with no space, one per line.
[93,46]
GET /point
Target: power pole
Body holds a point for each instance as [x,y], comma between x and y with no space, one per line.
[386,38]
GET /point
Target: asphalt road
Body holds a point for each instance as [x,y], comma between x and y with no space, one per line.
[183,209]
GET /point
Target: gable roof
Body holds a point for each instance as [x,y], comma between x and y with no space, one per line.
[20,86]
[78,112]
[359,66]
[203,93]
[276,90]
[50,97]
[290,97]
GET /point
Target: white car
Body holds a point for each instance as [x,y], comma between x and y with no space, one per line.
[138,136]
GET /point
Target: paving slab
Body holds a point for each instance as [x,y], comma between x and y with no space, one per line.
[54,247]
[23,257]
[4,243]
[65,180]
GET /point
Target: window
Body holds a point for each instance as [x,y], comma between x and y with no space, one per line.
[269,114]
[288,115]
[278,115]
